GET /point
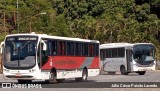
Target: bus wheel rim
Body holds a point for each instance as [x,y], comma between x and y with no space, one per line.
[84,76]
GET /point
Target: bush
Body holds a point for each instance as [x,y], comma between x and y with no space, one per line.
[2,37]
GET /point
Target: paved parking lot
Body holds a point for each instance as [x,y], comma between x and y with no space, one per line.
[71,84]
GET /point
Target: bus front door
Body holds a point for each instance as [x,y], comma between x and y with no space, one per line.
[128,59]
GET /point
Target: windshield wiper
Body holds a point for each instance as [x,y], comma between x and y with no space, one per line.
[25,44]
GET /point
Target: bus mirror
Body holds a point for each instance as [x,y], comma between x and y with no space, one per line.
[1,47]
[44,45]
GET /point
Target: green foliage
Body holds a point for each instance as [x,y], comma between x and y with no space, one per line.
[75,9]
[2,37]
[104,20]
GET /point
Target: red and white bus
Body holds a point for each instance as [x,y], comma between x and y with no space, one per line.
[28,57]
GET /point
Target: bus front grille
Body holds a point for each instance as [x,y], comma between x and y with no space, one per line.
[13,76]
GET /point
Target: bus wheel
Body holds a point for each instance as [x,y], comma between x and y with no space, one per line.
[52,78]
[84,76]
[123,70]
[111,73]
[141,72]
[24,81]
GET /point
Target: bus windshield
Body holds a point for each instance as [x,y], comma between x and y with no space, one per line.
[20,51]
[144,54]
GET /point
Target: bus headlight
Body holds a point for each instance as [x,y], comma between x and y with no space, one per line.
[6,70]
[32,70]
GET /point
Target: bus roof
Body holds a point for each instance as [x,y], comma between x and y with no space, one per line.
[54,37]
[117,45]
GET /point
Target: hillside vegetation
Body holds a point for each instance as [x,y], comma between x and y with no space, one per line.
[104,20]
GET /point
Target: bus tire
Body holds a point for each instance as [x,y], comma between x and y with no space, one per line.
[123,70]
[24,81]
[84,76]
[141,72]
[52,78]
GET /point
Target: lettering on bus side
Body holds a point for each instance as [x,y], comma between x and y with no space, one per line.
[63,62]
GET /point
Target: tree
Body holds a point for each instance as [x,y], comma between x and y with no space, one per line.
[104,20]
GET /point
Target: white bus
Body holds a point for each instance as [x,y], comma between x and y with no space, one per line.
[28,57]
[127,58]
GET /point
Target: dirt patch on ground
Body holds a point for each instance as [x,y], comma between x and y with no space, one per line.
[158,65]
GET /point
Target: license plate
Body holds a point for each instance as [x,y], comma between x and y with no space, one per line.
[143,69]
[18,74]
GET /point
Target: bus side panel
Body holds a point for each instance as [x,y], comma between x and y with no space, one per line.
[69,73]
[95,63]
[106,65]
[112,64]
[66,62]
[94,69]
[72,67]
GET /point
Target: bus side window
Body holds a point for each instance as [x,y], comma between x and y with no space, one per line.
[64,47]
[53,47]
[61,48]
[70,48]
[76,49]
[80,49]
[121,52]
[96,48]
[115,52]
[91,50]
[107,51]
[85,49]
[102,54]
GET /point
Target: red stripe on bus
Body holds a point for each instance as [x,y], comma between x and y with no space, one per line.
[66,62]
[95,63]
